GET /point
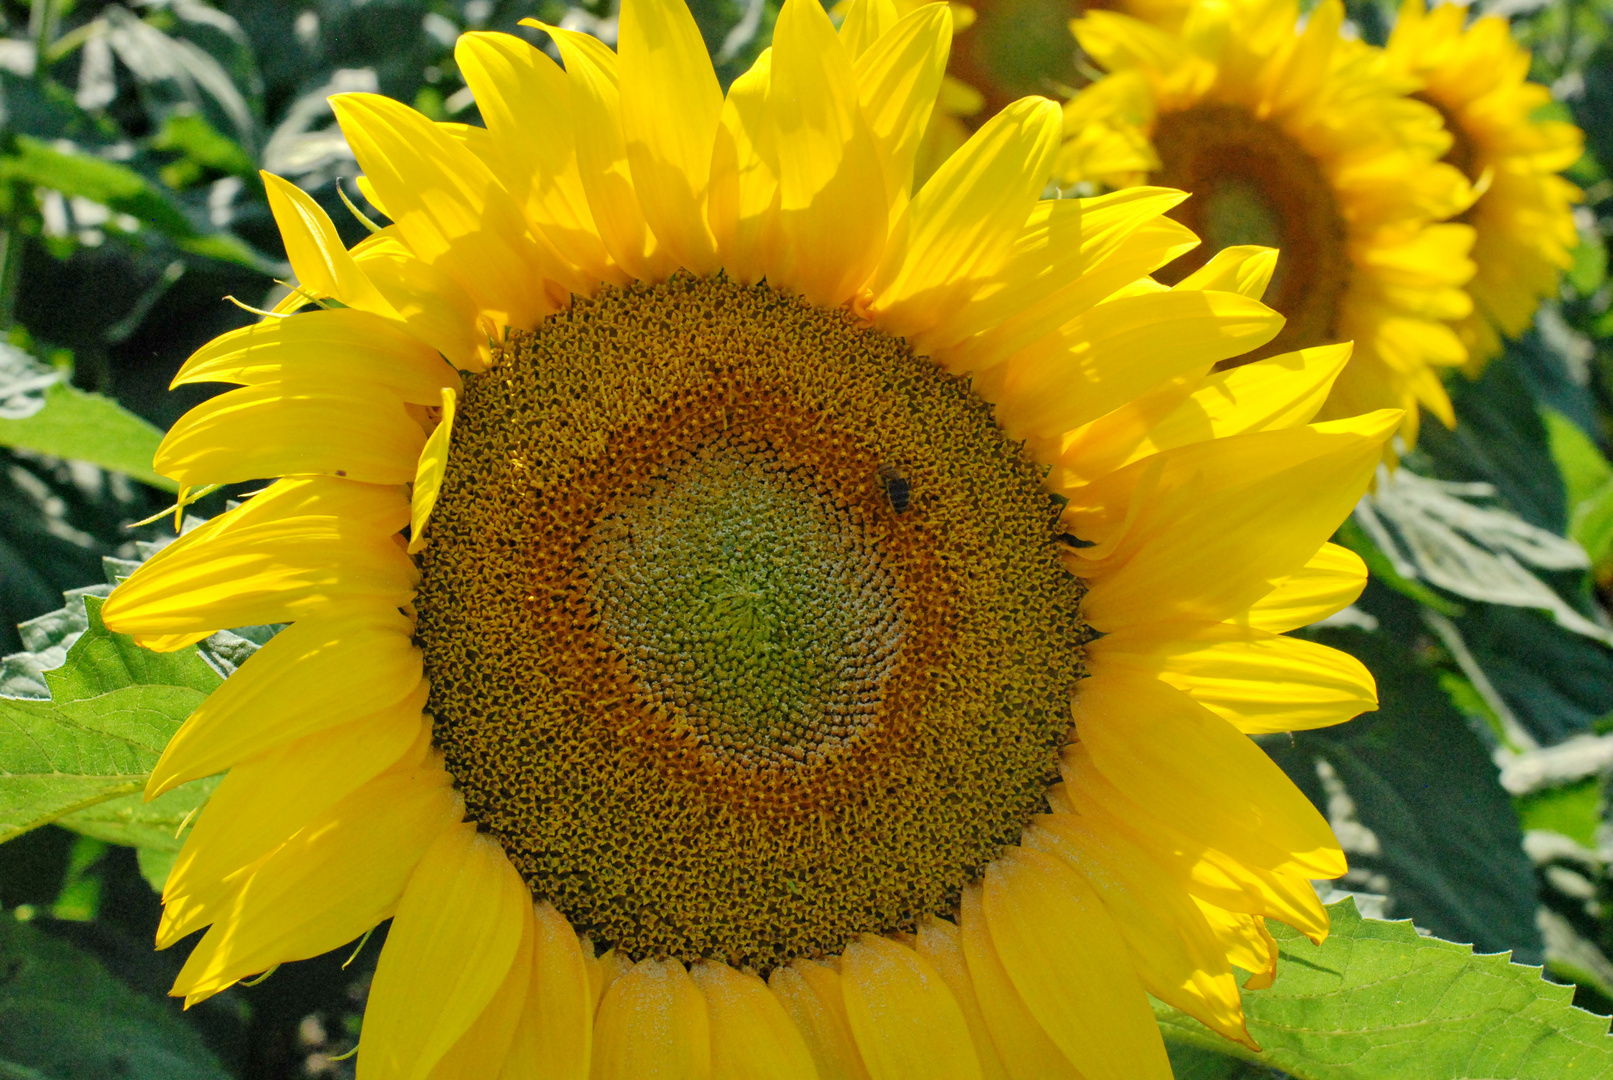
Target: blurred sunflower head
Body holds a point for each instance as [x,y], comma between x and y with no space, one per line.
[1292,136]
[1478,79]
[737,703]
[1006,49]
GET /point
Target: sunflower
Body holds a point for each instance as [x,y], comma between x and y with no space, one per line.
[829,626]
[1290,135]
[1477,77]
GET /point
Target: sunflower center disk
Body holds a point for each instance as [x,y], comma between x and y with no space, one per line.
[748,603]
[746,628]
[1253,184]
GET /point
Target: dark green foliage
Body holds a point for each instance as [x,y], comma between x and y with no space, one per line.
[1444,839]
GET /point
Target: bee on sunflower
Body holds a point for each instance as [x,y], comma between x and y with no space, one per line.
[1290,135]
[617,678]
[1478,79]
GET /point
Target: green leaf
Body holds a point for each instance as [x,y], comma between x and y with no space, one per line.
[203,146]
[1377,1000]
[1575,810]
[113,708]
[1501,440]
[88,427]
[1590,265]
[1585,471]
[1189,1061]
[114,186]
[64,1017]
[1588,478]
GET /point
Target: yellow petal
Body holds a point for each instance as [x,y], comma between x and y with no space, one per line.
[1212,875]
[524,97]
[652,1023]
[1329,582]
[811,993]
[1043,282]
[596,125]
[1064,956]
[310,677]
[603,971]
[484,1050]
[432,304]
[303,544]
[1190,767]
[433,464]
[318,257]
[960,226]
[336,878]
[264,801]
[1242,268]
[1201,531]
[554,1037]
[905,1020]
[828,163]
[1116,42]
[450,210]
[1267,395]
[371,196]
[898,76]
[1025,1048]
[939,942]
[1117,350]
[1258,681]
[865,22]
[743,207]
[1246,942]
[299,427]
[752,1037]
[670,103]
[458,930]
[1176,953]
[343,349]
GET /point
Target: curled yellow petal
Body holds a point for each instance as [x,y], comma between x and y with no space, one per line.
[318,257]
[429,472]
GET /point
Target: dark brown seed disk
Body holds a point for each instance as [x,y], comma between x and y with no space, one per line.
[713,691]
[1252,184]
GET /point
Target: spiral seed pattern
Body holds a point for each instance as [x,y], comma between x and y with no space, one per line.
[712,690]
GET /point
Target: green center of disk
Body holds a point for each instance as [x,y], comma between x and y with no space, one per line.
[748,602]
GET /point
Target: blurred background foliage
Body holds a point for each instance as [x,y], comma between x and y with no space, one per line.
[131,134]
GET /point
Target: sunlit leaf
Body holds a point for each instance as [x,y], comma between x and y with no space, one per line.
[113,708]
[1378,1000]
[113,185]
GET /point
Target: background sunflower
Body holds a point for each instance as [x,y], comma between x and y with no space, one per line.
[1471,803]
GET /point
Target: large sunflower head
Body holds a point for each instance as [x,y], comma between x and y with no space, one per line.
[748,617]
[1478,79]
[1290,135]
